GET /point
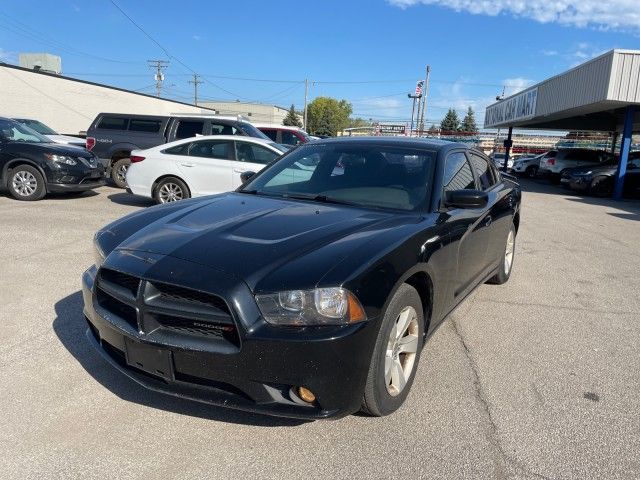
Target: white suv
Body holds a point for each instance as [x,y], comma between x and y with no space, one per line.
[565,158]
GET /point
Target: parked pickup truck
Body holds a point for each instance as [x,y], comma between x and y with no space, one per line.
[112,136]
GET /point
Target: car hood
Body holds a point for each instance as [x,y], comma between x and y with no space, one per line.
[66,139]
[601,169]
[254,237]
[54,148]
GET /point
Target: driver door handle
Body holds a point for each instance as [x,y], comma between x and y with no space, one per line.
[188,164]
[237,170]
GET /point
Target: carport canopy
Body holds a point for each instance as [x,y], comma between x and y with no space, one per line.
[602,94]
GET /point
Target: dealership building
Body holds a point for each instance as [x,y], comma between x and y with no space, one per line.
[600,95]
[69,105]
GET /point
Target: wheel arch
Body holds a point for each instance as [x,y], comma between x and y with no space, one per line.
[169,175]
[21,161]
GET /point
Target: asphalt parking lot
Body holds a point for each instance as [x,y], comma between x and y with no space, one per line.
[539,378]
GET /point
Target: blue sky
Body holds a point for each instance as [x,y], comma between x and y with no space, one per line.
[380,46]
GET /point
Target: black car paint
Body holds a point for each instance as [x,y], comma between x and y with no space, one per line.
[579,179]
[238,245]
[16,153]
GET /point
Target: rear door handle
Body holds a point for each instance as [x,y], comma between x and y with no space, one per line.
[188,164]
[237,170]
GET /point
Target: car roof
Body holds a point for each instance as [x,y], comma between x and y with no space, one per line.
[406,142]
[235,138]
[275,125]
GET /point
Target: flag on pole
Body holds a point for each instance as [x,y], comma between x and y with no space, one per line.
[419,85]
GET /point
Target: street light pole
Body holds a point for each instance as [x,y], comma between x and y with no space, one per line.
[413,108]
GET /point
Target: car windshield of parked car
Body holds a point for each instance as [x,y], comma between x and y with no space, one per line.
[252,131]
[280,148]
[14,132]
[365,175]
[37,126]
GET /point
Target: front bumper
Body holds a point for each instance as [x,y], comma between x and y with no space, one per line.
[75,179]
[579,184]
[257,374]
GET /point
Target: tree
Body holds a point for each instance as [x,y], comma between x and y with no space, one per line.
[469,122]
[358,122]
[328,116]
[450,122]
[292,119]
[433,130]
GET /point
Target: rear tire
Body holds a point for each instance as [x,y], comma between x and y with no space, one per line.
[119,172]
[171,189]
[26,183]
[506,265]
[396,354]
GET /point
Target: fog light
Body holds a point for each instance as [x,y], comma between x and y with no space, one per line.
[306,395]
[67,179]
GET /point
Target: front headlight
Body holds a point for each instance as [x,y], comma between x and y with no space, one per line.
[320,306]
[98,253]
[60,159]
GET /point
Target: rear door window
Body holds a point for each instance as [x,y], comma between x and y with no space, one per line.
[223,129]
[457,173]
[271,133]
[189,128]
[144,125]
[220,149]
[113,123]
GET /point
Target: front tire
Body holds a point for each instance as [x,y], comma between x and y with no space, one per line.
[396,354]
[26,183]
[531,172]
[506,265]
[601,186]
[170,189]
[119,172]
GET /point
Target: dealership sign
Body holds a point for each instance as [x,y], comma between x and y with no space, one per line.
[390,129]
[519,107]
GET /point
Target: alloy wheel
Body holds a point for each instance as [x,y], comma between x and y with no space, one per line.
[121,173]
[401,351]
[170,192]
[24,183]
[508,252]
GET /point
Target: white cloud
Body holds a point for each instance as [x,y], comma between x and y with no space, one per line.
[549,53]
[607,15]
[515,85]
[196,37]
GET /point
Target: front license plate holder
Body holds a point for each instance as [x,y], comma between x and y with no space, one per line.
[150,359]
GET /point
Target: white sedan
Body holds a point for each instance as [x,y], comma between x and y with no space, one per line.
[198,166]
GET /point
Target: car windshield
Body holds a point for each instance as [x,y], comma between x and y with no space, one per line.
[11,131]
[37,126]
[252,131]
[280,148]
[365,175]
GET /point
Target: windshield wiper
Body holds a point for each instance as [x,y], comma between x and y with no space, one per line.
[319,198]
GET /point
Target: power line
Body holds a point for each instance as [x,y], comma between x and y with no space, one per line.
[19,28]
[167,53]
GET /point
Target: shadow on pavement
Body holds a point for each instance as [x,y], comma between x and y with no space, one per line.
[542,185]
[70,327]
[130,200]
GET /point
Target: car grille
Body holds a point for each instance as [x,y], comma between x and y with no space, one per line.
[147,306]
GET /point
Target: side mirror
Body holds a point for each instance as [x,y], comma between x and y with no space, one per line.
[246,176]
[466,199]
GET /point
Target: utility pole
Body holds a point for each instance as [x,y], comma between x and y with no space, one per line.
[159,66]
[424,99]
[196,81]
[306,93]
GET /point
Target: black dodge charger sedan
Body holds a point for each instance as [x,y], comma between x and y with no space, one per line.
[310,290]
[31,165]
